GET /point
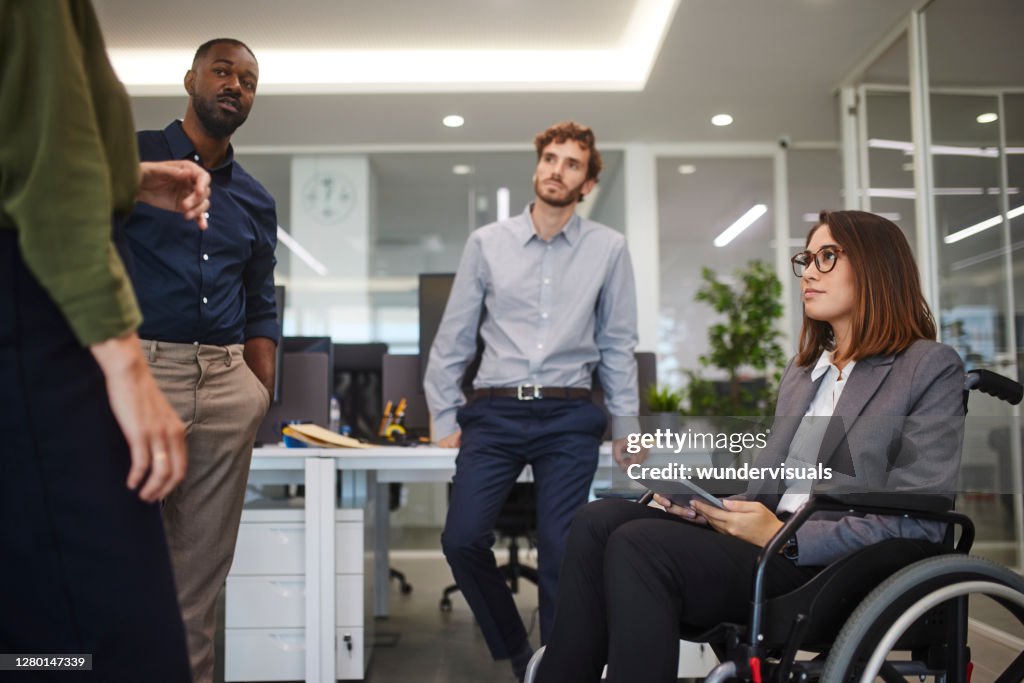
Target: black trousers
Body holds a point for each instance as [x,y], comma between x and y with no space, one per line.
[632,578]
[84,567]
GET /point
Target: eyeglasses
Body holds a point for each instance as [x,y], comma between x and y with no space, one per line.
[824,259]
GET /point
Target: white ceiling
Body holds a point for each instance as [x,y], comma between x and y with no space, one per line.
[772,64]
[356,24]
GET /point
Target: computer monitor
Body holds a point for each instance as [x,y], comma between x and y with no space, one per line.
[357,381]
[306,381]
[433,298]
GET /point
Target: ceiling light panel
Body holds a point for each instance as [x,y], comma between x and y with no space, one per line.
[619,64]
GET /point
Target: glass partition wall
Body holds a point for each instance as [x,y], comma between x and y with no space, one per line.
[934,142]
[967,86]
[360,228]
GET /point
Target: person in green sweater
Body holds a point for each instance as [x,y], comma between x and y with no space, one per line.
[90,443]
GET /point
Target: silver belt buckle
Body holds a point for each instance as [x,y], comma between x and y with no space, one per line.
[528,392]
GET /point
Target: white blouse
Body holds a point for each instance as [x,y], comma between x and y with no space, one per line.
[803,450]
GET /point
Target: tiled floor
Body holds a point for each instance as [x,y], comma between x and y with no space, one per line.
[435,646]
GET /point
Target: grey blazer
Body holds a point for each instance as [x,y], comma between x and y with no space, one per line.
[902,418]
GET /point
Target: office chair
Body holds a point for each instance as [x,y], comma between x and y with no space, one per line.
[395,502]
[517,519]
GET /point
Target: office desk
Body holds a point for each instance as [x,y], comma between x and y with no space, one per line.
[364,476]
[360,469]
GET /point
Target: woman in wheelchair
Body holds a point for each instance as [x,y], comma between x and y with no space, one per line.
[634,576]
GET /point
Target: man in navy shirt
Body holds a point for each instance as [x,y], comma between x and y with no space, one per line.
[209,327]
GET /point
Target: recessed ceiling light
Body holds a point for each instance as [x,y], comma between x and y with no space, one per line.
[988,117]
[462,169]
[721,120]
[687,169]
[453,121]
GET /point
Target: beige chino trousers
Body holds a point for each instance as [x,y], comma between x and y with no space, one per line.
[222,403]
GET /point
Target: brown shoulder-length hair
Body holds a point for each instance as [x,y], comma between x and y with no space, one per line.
[570,130]
[890,312]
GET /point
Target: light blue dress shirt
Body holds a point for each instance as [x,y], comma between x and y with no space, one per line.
[549,314]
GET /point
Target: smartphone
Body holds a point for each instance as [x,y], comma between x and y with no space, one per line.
[682,491]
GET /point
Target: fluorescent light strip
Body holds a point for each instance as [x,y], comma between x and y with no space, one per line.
[624,66]
[909,193]
[300,251]
[938,150]
[987,256]
[744,222]
[981,227]
[908,148]
[502,202]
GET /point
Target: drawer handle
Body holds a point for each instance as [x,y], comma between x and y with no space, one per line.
[298,643]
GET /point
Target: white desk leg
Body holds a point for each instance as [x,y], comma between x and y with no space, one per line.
[382,544]
[320,570]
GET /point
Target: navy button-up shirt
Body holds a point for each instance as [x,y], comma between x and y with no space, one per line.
[214,286]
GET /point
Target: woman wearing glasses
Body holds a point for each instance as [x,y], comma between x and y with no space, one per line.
[633,575]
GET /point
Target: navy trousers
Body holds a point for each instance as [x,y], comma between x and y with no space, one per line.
[84,567]
[559,439]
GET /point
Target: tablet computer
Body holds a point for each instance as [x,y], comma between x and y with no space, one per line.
[681,491]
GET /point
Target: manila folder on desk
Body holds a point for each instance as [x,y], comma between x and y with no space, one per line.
[325,437]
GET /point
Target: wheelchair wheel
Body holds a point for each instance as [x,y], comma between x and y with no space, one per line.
[871,632]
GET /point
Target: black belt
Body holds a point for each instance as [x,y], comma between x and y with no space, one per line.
[530,392]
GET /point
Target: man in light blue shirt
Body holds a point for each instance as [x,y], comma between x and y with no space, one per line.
[553,298]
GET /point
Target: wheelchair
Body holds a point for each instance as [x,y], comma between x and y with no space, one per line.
[900,596]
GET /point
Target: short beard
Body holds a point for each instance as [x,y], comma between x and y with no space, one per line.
[572,197]
[214,121]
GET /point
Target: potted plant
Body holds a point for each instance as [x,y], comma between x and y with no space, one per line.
[747,338]
[663,400]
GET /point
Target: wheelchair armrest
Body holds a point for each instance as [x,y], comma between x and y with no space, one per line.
[886,503]
[916,505]
[925,506]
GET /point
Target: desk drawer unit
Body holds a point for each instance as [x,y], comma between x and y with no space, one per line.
[280,601]
[280,654]
[265,598]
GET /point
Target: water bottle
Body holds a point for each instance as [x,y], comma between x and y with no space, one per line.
[334,423]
